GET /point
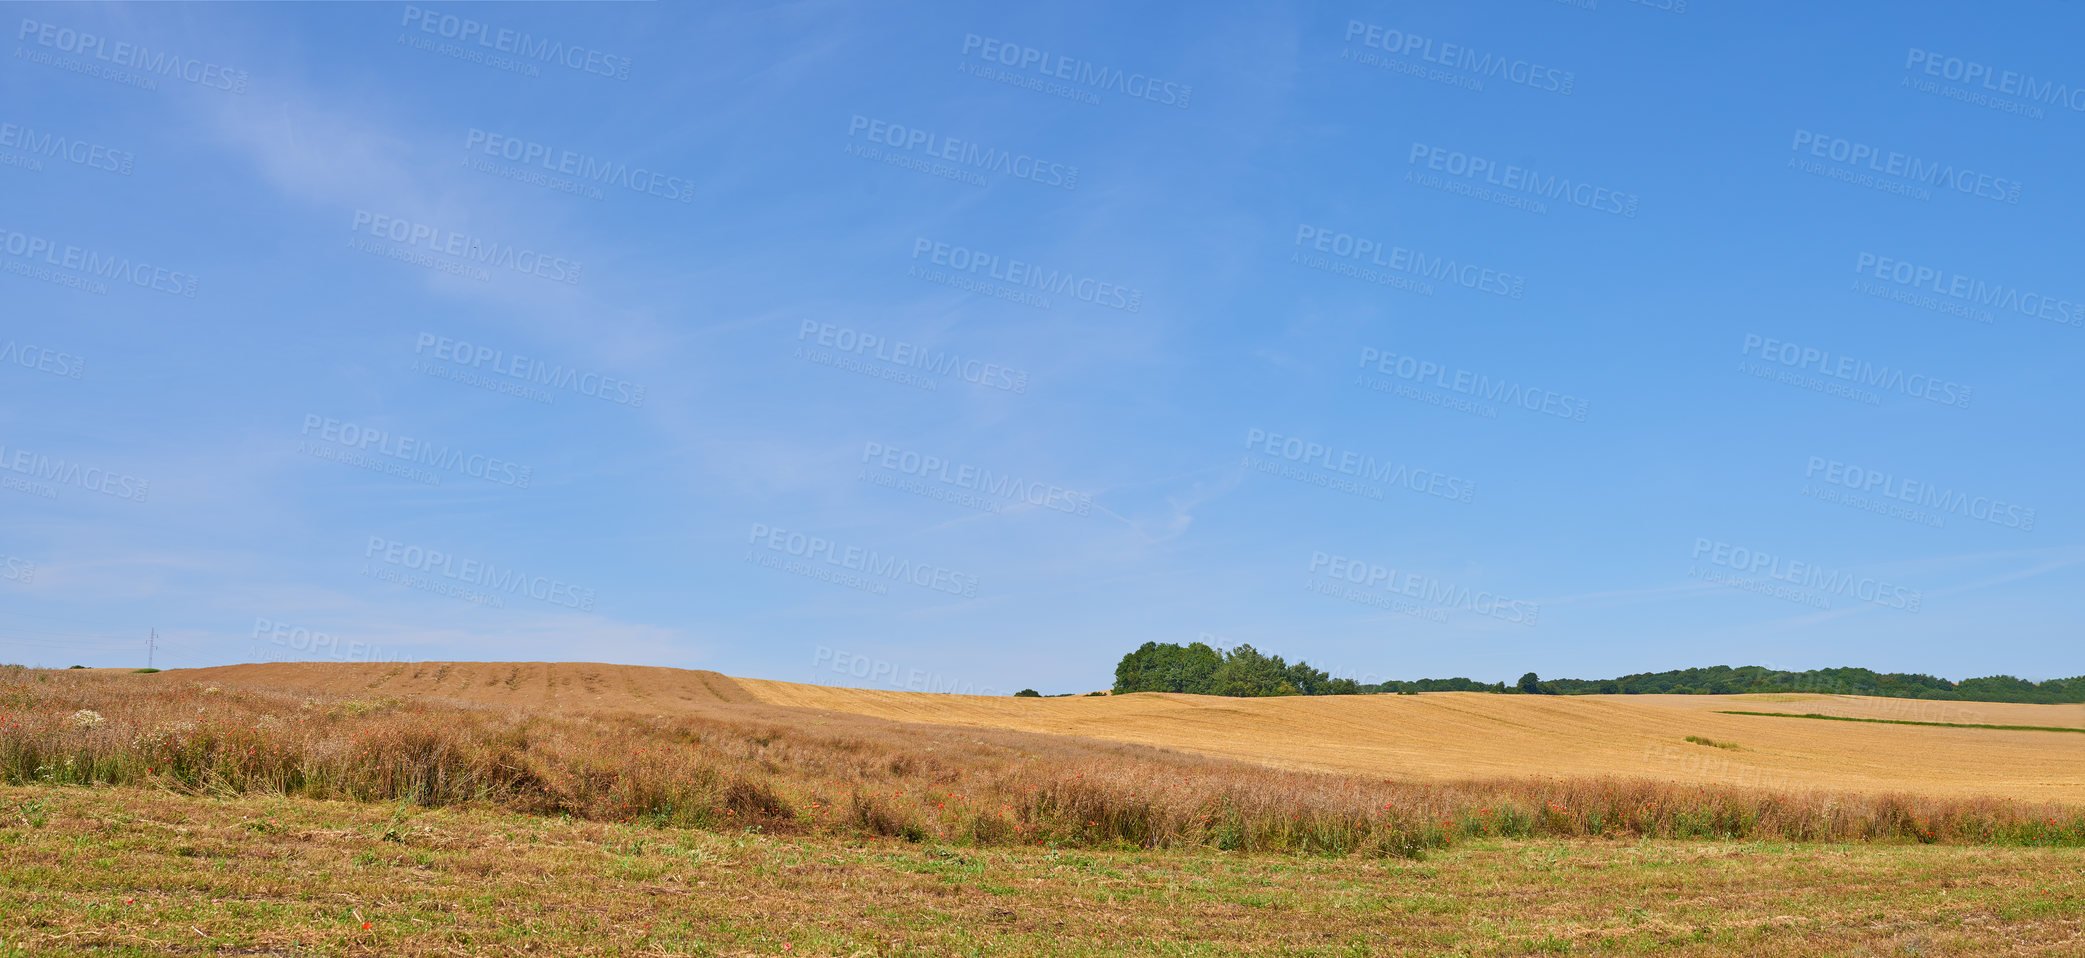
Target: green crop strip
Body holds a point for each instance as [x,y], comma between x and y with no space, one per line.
[1843,718]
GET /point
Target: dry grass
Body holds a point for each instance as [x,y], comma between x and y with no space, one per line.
[793,772]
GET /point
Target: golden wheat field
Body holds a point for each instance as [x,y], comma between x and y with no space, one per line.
[1441,737]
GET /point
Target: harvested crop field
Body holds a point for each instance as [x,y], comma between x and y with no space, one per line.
[539,685]
[1440,737]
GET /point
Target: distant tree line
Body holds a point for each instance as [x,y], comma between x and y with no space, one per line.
[1725,680]
[1246,671]
[1457,684]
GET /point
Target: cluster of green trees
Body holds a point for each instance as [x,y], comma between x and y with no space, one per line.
[1242,671]
[1246,671]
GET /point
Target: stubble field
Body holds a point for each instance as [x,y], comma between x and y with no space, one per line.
[1437,737]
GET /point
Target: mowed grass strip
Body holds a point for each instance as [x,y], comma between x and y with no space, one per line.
[1877,721]
[116,873]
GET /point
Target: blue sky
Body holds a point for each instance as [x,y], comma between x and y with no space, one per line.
[965,349]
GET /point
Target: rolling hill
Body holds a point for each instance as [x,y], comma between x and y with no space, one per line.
[1447,736]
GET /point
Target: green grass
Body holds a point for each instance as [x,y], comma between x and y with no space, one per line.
[128,873]
[1712,743]
[1843,718]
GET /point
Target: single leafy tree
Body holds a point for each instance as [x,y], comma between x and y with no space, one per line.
[1247,671]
